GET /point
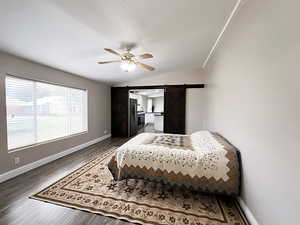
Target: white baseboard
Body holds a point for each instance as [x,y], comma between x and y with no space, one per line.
[23,169]
[247,212]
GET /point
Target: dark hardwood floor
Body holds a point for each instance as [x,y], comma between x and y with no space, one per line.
[149,128]
[16,208]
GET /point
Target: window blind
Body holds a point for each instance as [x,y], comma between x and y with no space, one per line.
[38,112]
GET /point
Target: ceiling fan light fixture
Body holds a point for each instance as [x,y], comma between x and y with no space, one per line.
[129,61]
[128,65]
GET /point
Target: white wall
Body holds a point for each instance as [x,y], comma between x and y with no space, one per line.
[192,76]
[149,105]
[158,103]
[253,101]
[195,110]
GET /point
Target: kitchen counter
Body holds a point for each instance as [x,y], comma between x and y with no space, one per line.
[159,122]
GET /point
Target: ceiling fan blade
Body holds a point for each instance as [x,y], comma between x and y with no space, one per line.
[147,67]
[145,56]
[113,61]
[112,51]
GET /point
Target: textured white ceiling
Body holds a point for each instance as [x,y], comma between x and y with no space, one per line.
[70,34]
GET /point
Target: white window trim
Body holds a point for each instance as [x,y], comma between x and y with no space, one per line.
[25,147]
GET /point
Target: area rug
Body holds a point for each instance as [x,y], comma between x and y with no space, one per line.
[91,188]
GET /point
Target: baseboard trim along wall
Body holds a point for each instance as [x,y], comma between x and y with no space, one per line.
[23,169]
[13,173]
[247,212]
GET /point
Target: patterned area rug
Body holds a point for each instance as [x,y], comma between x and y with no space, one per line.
[91,188]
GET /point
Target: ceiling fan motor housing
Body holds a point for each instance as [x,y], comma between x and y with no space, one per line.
[127,56]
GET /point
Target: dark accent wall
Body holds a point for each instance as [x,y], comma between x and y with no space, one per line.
[174,108]
[119,112]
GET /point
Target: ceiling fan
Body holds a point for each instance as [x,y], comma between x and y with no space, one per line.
[129,61]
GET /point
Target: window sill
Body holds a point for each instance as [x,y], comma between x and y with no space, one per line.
[45,142]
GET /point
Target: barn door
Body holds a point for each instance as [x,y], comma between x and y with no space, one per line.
[174,117]
[119,112]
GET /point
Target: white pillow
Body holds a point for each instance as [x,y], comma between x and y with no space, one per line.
[204,141]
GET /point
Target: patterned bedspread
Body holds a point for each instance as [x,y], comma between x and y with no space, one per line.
[202,161]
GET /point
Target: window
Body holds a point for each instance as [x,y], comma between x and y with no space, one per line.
[38,112]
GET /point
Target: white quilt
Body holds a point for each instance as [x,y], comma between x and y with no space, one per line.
[205,157]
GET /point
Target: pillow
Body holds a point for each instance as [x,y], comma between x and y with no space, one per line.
[205,141]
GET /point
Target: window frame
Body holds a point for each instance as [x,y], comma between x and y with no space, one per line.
[15,149]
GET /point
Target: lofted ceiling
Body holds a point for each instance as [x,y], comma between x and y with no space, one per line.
[70,34]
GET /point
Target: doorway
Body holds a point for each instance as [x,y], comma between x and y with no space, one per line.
[146,111]
[173,115]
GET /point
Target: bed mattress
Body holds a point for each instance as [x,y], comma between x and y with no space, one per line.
[203,161]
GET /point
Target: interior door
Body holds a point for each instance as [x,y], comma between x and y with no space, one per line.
[119,112]
[174,110]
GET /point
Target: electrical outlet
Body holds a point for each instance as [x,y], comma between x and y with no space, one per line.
[17,160]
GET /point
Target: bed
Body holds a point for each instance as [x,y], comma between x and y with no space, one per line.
[202,161]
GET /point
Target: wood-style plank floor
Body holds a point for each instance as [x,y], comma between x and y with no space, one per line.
[17,209]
